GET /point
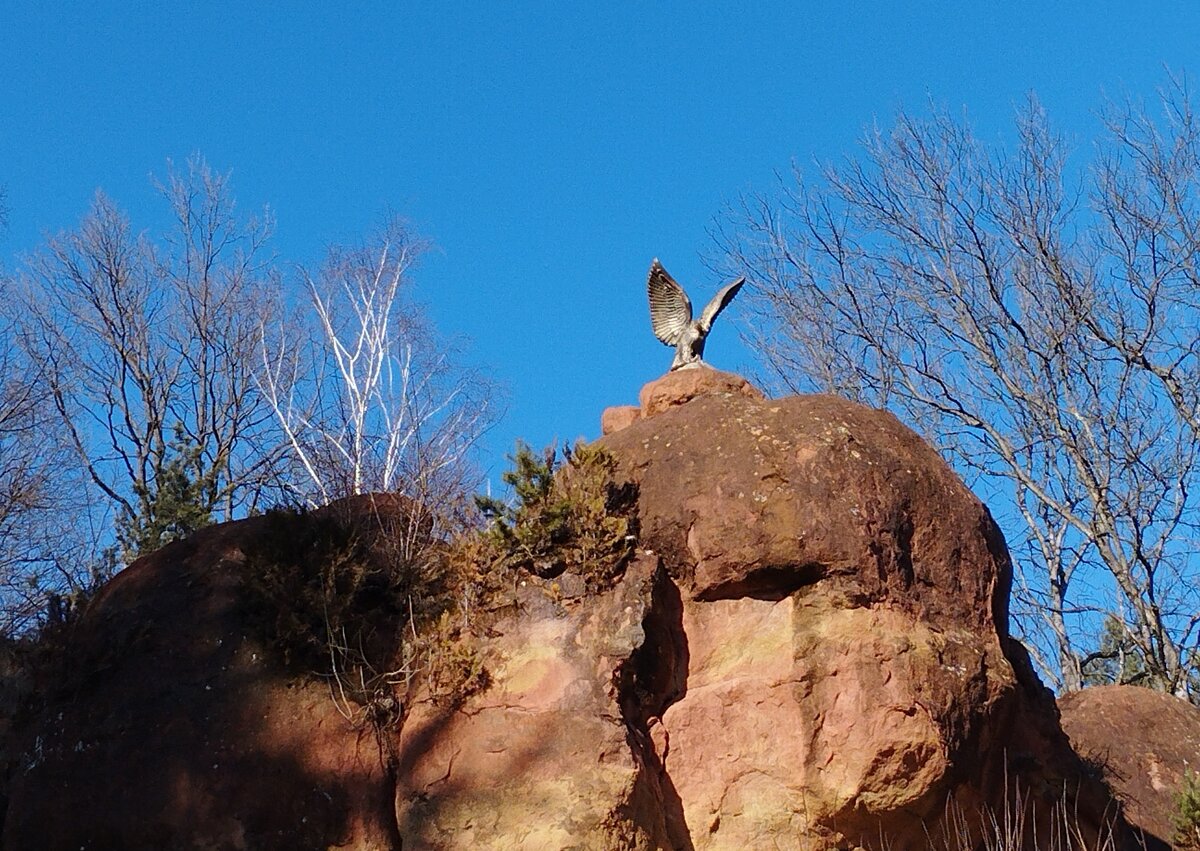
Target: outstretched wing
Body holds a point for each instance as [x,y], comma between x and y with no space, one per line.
[670,310]
[719,302]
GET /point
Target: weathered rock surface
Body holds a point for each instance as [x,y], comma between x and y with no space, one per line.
[1143,741]
[809,651]
[682,385]
[618,417]
[550,755]
[845,613]
[171,729]
[674,389]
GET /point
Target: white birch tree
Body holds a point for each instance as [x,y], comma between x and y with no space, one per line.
[368,397]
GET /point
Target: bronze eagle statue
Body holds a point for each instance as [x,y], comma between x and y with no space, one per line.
[671,315]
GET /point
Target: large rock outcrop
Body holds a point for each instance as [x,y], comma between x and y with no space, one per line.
[845,613]
[808,650]
[1143,742]
[823,658]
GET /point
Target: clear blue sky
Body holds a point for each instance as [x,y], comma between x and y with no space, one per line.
[550,150]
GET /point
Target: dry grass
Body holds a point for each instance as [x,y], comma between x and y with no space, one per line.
[1019,825]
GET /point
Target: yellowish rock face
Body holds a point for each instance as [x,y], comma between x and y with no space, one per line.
[800,716]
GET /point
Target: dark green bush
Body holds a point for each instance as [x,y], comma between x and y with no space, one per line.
[371,600]
[363,599]
[306,575]
[574,516]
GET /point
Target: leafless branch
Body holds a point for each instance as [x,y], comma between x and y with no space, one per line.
[1038,325]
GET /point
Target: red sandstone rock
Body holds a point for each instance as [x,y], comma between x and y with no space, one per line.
[544,758]
[682,385]
[845,614]
[809,652]
[1143,741]
[618,417]
[739,492]
[171,727]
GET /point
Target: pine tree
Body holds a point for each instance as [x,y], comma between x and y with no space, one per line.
[171,509]
[1117,660]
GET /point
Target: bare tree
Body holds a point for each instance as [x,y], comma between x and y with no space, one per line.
[146,351]
[26,492]
[45,551]
[1040,325]
[225,288]
[370,399]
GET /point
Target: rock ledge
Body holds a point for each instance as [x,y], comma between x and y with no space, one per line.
[674,389]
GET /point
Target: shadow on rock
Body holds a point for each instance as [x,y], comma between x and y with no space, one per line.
[166,725]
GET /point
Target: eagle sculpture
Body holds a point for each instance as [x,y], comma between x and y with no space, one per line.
[671,315]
